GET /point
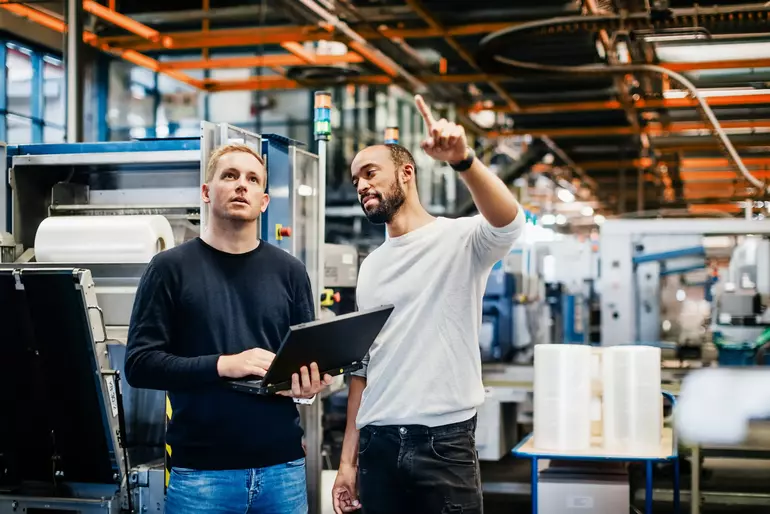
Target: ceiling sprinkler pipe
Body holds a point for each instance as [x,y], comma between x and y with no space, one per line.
[630,68]
[345,29]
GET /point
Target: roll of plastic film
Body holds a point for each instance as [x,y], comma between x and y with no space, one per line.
[102,239]
[633,403]
[562,397]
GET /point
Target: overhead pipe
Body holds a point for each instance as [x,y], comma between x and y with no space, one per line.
[361,44]
[647,68]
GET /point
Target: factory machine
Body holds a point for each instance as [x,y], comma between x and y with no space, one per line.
[74,437]
[702,277]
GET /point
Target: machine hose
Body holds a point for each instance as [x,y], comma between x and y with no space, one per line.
[642,68]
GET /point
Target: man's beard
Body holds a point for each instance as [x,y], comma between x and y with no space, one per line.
[386,207]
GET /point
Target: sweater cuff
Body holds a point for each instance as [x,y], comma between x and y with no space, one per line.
[207,368]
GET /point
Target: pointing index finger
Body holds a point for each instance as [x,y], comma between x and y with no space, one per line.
[424,111]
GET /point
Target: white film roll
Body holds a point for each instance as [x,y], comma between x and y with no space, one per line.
[562,397]
[633,406]
[102,239]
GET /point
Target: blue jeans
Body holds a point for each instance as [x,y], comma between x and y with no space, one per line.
[277,489]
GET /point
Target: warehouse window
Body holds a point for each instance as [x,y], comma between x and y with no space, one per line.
[33,98]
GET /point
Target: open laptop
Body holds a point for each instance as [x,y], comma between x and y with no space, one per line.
[338,345]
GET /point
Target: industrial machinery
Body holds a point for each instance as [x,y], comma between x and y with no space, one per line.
[74,436]
[647,268]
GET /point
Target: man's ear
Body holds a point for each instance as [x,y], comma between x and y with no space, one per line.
[265,201]
[205,193]
[407,173]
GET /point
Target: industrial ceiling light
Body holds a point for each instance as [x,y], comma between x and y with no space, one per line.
[565,195]
[709,52]
[716,92]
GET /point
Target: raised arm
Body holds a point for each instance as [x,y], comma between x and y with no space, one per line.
[503,220]
[447,142]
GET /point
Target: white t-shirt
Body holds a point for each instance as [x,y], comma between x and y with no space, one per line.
[425,366]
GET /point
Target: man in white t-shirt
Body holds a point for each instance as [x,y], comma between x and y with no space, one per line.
[410,440]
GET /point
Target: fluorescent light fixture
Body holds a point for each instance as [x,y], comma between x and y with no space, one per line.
[565,195]
[664,38]
[713,52]
[710,93]
[561,219]
[587,210]
[548,219]
[599,219]
[485,119]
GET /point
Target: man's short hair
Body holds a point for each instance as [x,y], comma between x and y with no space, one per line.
[400,155]
[211,167]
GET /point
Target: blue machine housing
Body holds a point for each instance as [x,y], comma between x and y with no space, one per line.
[497,315]
[275,149]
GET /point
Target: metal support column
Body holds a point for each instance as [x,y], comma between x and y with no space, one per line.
[75,71]
[312,414]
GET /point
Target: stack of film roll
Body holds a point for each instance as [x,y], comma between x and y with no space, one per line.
[632,400]
[102,239]
[562,397]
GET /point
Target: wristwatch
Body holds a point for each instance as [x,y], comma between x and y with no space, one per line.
[466,163]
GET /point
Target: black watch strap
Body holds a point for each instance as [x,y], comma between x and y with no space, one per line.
[466,163]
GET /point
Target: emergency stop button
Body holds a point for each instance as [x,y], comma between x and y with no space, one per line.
[281,232]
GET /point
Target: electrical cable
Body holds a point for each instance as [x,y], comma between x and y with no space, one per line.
[642,68]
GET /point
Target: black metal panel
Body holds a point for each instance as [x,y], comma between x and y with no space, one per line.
[57,430]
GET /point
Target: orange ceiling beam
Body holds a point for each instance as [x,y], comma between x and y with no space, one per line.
[657,129]
[279,34]
[90,38]
[653,129]
[715,207]
[713,162]
[716,65]
[252,84]
[124,22]
[706,176]
[300,52]
[252,61]
[667,103]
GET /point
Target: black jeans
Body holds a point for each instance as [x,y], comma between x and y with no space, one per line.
[421,470]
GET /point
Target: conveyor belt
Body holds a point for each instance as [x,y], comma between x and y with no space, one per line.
[55,425]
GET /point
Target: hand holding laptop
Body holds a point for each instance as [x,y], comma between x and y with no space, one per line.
[310,384]
[253,362]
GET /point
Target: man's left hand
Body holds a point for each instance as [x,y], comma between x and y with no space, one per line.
[307,383]
[446,140]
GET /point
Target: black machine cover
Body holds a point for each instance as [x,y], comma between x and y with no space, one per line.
[54,424]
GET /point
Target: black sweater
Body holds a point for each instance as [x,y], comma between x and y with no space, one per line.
[195,303]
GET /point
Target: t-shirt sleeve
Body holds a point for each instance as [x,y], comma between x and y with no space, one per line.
[489,243]
[150,363]
[362,371]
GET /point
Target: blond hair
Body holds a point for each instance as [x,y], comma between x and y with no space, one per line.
[211,167]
